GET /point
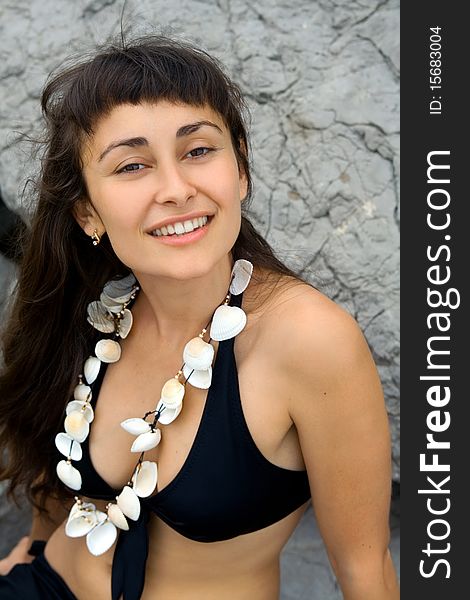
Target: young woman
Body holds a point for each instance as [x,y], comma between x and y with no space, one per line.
[172,394]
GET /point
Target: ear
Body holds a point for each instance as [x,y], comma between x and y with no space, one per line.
[87,217]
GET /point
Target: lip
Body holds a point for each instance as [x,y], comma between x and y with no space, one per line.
[185,238]
[178,219]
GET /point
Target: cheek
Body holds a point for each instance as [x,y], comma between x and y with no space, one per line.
[119,213]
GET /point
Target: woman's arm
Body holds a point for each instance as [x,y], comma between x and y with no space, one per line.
[336,403]
[43,526]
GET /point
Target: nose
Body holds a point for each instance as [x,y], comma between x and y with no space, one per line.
[173,184]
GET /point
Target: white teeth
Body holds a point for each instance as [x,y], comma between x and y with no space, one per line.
[188,226]
[180,227]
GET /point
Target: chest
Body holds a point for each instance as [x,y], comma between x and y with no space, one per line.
[131,388]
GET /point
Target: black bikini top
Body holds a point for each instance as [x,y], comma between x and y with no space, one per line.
[225,487]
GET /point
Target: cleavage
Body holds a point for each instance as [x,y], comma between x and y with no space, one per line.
[118,399]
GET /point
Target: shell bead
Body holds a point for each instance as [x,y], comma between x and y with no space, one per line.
[198,354]
[108,351]
[227,322]
[146,441]
[80,524]
[77,426]
[99,317]
[120,290]
[144,479]
[125,323]
[110,304]
[91,368]
[241,273]
[172,393]
[84,407]
[101,538]
[168,415]
[135,426]
[81,506]
[69,475]
[129,503]
[117,517]
[199,379]
[68,446]
[82,392]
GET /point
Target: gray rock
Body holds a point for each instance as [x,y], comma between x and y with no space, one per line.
[306,573]
[15,522]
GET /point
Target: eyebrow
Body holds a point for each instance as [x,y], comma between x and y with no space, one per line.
[141,141]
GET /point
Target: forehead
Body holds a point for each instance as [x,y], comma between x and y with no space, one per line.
[162,118]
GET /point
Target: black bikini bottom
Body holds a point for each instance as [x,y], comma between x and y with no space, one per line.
[34,581]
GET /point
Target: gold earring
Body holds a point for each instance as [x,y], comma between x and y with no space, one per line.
[95,237]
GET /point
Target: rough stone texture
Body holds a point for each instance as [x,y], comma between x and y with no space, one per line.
[306,573]
[321,78]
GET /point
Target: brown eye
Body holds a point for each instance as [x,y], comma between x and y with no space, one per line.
[131,168]
[201,151]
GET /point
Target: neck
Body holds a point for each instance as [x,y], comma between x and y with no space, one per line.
[178,309]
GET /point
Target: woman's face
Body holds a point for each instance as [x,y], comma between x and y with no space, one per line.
[149,165]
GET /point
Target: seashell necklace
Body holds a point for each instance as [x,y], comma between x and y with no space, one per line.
[109,315]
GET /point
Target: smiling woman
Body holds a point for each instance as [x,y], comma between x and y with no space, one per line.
[186,392]
[151,165]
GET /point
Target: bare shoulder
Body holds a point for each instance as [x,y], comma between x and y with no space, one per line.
[302,322]
[319,351]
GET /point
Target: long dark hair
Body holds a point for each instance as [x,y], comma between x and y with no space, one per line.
[47,337]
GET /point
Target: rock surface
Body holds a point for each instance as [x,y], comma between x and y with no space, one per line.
[321,78]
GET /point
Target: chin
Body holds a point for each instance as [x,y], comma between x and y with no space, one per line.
[197,265]
[178,272]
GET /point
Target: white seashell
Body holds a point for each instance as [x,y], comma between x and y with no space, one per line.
[169,414]
[172,392]
[110,304]
[81,523]
[227,322]
[120,290]
[69,475]
[135,426]
[198,354]
[82,392]
[108,351]
[81,506]
[144,479]
[91,368]
[68,446]
[241,272]
[146,441]
[129,503]
[117,517]
[101,538]
[198,378]
[99,317]
[125,323]
[77,426]
[84,407]
[101,516]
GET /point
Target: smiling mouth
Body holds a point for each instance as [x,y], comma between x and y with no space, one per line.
[180,229]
